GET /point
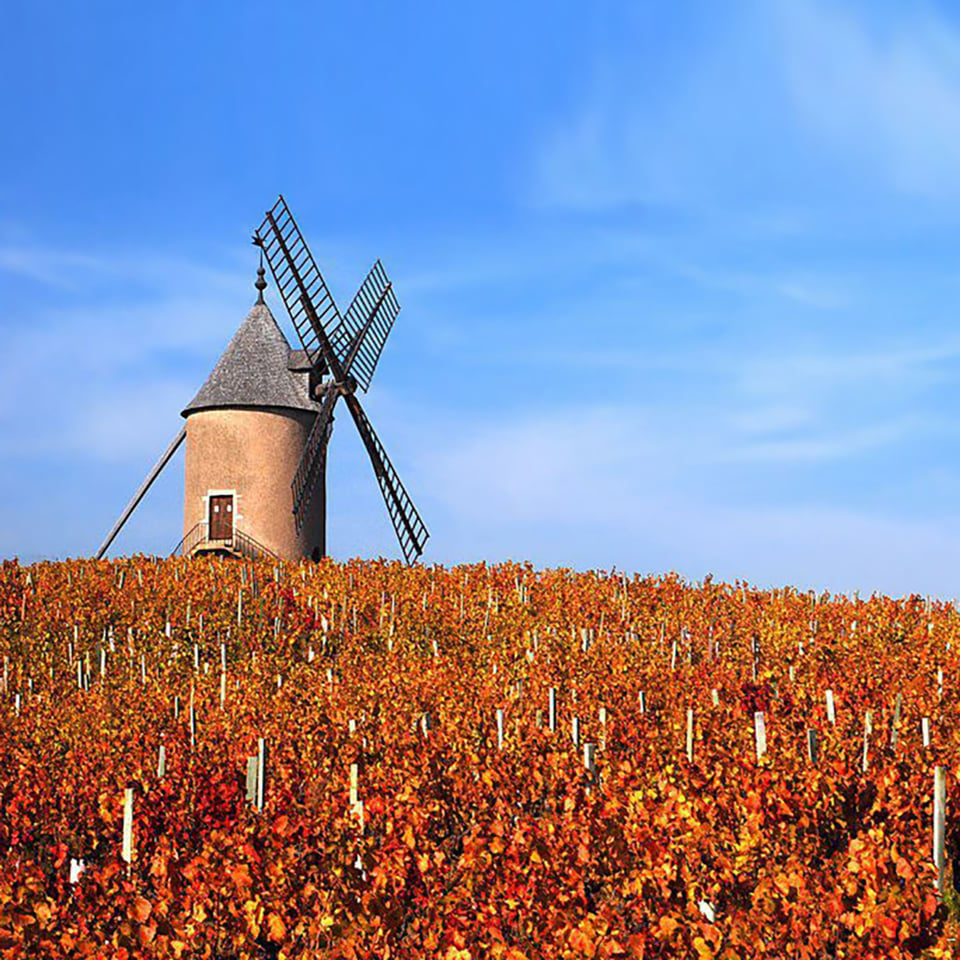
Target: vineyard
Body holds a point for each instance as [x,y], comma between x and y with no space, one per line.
[366,760]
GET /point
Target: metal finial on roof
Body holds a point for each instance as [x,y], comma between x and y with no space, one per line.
[261,283]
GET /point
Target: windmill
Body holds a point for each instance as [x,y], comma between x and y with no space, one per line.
[260,426]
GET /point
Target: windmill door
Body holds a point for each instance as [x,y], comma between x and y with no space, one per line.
[221,517]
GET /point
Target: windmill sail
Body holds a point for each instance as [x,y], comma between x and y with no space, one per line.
[359,339]
[308,301]
[411,530]
[313,458]
[348,348]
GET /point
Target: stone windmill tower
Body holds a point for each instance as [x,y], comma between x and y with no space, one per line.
[245,432]
[257,431]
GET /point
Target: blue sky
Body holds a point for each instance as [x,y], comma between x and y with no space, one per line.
[678,280]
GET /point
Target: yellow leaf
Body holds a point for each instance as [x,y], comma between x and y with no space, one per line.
[276,929]
[667,926]
[704,950]
[142,908]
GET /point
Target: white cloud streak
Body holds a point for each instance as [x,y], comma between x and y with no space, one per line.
[784,104]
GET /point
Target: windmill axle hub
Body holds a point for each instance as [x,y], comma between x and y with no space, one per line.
[345,387]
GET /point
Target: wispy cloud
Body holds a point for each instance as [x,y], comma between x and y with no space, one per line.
[621,486]
[881,89]
[105,366]
[780,105]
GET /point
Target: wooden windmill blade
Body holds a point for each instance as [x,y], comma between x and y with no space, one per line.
[410,528]
[312,459]
[303,290]
[337,345]
[360,338]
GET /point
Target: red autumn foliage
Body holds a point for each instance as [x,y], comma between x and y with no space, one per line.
[464,849]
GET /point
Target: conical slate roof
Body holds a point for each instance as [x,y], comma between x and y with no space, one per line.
[254,370]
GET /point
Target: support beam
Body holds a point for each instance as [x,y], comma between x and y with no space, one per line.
[142,491]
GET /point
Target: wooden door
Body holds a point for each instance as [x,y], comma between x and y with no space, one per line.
[221,517]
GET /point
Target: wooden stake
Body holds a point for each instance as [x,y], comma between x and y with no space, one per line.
[354,784]
[867,730]
[251,779]
[261,772]
[690,734]
[939,823]
[126,851]
[760,734]
[895,726]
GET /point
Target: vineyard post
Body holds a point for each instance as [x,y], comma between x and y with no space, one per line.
[690,734]
[162,761]
[16,703]
[261,772]
[499,729]
[354,785]
[895,728]
[831,710]
[939,683]
[223,689]
[760,734]
[176,707]
[925,731]
[715,697]
[643,702]
[143,669]
[867,730]
[251,779]
[552,710]
[939,823]
[575,731]
[126,850]
[812,746]
[590,757]
[603,728]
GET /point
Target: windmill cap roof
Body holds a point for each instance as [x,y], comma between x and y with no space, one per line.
[255,370]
